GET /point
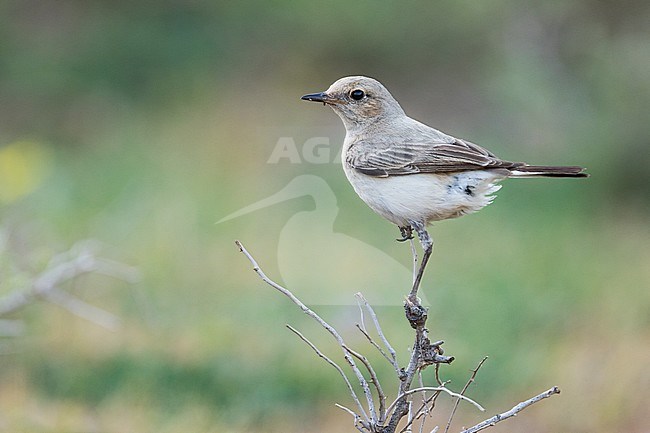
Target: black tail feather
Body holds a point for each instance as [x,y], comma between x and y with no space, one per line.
[548,171]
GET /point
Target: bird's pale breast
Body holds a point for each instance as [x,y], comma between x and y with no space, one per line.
[425,197]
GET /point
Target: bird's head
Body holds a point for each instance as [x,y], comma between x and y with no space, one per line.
[358,101]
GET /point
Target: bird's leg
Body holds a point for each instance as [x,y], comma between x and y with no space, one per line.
[406,232]
[427,247]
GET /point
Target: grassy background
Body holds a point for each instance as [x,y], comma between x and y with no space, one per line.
[141,124]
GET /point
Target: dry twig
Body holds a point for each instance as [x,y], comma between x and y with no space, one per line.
[79,260]
[435,388]
[512,412]
[393,355]
[469,382]
[384,419]
[339,369]
[346,352]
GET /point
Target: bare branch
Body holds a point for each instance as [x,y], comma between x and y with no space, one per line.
[15,301]
[424,399]
[414,253]
[417,317]
[437,374]
[512,412]
[336,366]
[462,392]
[348,410]
[82,309]
[357,419]
[49,279]
[374,343]
[435,388]
[323,323]
[423,410]
[62,268]
[423,354]
[374,380]
[118,270]
[375,320]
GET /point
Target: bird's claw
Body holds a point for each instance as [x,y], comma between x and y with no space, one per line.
[407,234]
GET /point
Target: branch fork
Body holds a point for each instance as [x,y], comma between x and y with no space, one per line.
[79,260]
[375,416]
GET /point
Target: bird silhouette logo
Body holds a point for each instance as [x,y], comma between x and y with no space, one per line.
[324,266]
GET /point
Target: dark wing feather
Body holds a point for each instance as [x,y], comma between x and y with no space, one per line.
[410,158]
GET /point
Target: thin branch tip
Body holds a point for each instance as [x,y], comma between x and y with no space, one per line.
[348,355]
[512,412]
[376,416]
[80,259]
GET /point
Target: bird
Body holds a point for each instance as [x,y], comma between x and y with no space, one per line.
[410,173]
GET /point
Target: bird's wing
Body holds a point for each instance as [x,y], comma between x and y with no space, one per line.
[415,157]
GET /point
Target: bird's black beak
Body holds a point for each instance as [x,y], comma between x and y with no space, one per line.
[316,97]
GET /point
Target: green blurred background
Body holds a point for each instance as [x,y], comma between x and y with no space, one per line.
[141,124]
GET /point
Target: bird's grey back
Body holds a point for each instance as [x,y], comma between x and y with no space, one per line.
[401,145]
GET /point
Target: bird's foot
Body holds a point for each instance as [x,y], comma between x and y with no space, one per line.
[406,232]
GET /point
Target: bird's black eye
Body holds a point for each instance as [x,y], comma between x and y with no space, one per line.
[357,94]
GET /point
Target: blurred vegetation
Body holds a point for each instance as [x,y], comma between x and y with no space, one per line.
[141,124]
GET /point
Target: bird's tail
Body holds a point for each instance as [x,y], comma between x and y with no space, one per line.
[547,171]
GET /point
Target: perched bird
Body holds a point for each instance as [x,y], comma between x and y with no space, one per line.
[410,173]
